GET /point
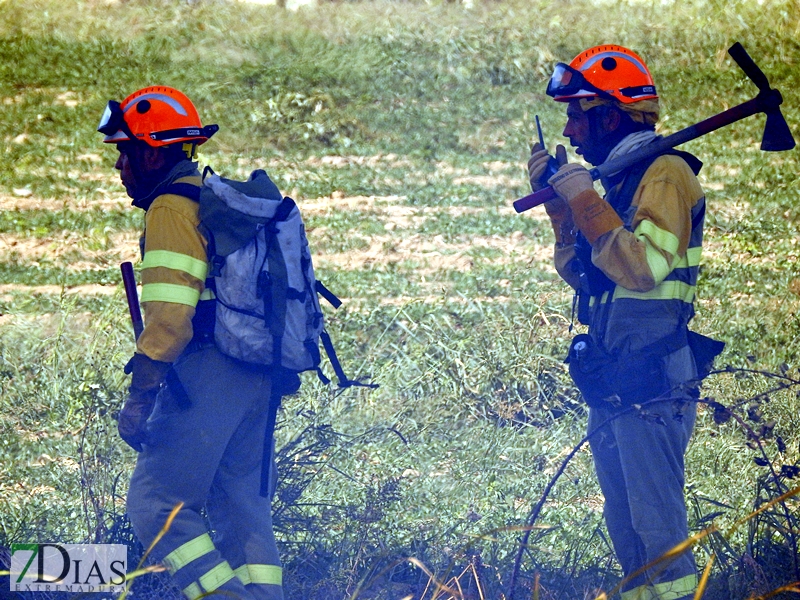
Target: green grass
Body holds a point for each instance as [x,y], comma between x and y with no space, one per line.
[427,112]
[42,223]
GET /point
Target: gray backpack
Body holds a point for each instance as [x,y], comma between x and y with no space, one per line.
[267,309]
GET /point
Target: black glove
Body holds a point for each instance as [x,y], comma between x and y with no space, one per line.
[148,374]
[132,423]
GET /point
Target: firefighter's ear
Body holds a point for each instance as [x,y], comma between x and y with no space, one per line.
[153,159]
[612,119]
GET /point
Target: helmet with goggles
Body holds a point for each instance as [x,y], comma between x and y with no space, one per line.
[610,72]
[157,116]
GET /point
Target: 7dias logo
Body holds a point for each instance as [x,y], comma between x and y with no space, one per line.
[77,568]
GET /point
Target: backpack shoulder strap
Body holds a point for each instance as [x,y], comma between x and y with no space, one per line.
[193,193]
[184,189]
[620,198]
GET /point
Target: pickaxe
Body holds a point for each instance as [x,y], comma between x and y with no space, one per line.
[777,136]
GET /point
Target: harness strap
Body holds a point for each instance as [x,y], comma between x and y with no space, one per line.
[668,344]
[269,434]
[332,299]
[344,381]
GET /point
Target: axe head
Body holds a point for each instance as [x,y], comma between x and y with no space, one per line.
[777,136]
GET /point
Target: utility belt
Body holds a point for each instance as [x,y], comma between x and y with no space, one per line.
[608,379]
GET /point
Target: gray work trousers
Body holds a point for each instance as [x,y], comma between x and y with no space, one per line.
[640,467]
[209,454]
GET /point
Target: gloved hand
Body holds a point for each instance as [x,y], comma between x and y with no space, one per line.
[132,423]
[570,180]
[148,374]
[537,165]
[557,209]
[591,213]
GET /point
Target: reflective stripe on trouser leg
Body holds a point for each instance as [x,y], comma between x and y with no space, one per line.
[260,574]
[262,581]
[677,589]
[212,580]
[192,554]
[642,592]
[188,552]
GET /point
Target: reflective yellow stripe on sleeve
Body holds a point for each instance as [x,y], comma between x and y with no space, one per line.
[186,553]
[659,267]
[661,238]
[693,256]
[170,292]
[692,259]
[175,260]
[666,290]
[655,240]
[676,589]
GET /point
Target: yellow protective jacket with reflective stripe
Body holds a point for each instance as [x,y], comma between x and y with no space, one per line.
[174,268]
[653,259]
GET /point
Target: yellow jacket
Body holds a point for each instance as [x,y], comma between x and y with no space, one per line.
[653,258]
[174,269]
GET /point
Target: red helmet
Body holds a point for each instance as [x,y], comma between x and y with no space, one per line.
[606,71]
[156,115]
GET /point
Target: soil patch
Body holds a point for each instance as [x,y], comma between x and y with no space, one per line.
[105,202]
[71,250]
[435,254]
[89,289]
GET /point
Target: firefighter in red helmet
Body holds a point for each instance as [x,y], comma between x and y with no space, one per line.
[193,414]
[632,256]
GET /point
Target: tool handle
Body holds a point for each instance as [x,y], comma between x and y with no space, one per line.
[129,281]
[535,199]
[748,65]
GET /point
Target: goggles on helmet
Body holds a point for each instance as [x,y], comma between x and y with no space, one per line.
[567,81]
[113,120]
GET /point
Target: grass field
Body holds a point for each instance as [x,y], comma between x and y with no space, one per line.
[402,130]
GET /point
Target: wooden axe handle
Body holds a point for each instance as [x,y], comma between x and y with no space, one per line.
[659,146]
[748,65]
[132,297]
